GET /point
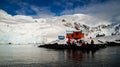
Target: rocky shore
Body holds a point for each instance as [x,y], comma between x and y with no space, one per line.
[86,47]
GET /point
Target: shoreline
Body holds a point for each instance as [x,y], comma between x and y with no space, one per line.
[86,47]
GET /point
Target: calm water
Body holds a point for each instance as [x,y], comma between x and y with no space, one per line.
[32,56]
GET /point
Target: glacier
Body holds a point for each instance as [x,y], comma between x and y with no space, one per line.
[21,29]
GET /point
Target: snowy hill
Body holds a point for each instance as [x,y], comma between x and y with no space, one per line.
[25,29]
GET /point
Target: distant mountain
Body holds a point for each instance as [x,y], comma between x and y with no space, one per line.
[25,29]
[90,26]
[98,31]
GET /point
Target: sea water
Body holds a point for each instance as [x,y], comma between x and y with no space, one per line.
[33,56]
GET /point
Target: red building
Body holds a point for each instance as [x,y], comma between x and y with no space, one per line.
[75,35]
[69,36]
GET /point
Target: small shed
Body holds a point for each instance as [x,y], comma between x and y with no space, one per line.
[78,35]
[75,35]
[69,35]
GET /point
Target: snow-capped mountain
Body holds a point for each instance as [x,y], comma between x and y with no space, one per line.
[79,22]
[98,31]
[25,29]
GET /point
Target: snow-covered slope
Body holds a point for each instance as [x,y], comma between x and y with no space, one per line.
[100,40]
[25,29]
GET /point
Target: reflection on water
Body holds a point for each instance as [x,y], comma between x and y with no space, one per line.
[74,55]
[32,55]
[77,55]
[92,53]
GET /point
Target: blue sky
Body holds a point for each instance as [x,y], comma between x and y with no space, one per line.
[30,7]
[105,9]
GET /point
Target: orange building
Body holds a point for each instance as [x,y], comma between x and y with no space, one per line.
[75,35]
[69,36]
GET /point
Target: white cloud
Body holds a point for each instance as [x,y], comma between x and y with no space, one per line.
[23,7]
[42,11]
[21,11]
[104,10]
[26,8]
